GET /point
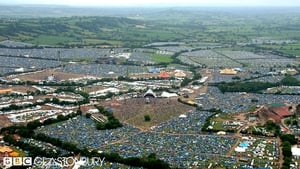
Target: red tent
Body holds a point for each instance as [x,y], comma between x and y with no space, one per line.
[164,75]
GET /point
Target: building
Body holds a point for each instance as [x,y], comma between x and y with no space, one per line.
[276,114]
[289,72]
[153,70]
[5,90]
[227,71]
[282,111]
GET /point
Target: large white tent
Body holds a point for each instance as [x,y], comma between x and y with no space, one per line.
[167,94]
[240,149]
[296,151]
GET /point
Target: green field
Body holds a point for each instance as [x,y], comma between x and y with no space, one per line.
[161,58]
[223,26]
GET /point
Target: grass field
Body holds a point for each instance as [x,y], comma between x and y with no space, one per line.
[161,58]
[289,49]
[226,26]
[50,40]
[132,111]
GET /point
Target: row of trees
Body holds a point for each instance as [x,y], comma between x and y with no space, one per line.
[111,123]
[287,141]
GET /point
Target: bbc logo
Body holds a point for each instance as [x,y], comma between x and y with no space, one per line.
[17,161]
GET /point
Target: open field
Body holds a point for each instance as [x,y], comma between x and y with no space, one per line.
[43,75]
[132,111]
[273,30]
[161,58]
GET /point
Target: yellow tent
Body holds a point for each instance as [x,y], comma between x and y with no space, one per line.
[5,149]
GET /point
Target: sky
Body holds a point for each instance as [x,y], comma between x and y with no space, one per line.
[157,2]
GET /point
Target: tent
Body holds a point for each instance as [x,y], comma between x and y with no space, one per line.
[182,116]
[180,74]
[5,149]
[154,70]
[167,94]
[164,75]
[240,149]
[244,144]
[221,133]
[150,93]
[296,151]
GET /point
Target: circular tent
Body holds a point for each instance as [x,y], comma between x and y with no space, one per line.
[164,75]
[180,74]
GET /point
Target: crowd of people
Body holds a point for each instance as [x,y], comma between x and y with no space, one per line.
[209,58]
[234,59]
[188,123]
[176,149]
[82,131]
[103,69]
[58,53]
[179,146]
[240,102]
[12,64]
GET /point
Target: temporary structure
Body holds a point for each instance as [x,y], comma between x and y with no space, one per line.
[150,93]
[240,149]
[182,116]
[180,74]
[5,149]
[164,75]
[167,94]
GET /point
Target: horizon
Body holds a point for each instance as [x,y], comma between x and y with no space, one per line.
[155,3]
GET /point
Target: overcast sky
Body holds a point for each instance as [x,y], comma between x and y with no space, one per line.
[158,2]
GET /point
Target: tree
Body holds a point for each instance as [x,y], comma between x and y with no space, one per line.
[288,138]
[286,149]
[288,122]
[34,124]
[79,112]
[55,100]
[295,123]
[147,118]
[290,81]
[88,115]
[298,109]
